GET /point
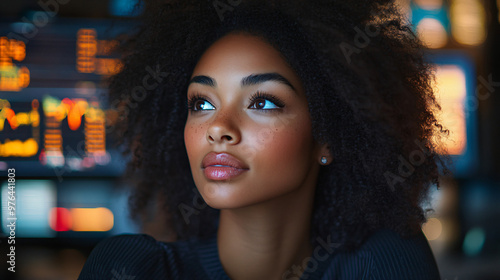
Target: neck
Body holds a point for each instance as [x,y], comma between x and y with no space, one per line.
[266,240]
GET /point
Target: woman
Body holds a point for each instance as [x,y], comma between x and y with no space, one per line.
[305,127]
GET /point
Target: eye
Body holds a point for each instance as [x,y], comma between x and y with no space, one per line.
[265,101]
[198,103]
[262,103]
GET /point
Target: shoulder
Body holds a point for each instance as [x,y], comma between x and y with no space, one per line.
[134,255]
[395,257]
[385,255]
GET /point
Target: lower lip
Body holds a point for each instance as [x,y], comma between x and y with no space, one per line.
[222,172]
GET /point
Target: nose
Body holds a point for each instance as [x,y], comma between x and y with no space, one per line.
[224,129]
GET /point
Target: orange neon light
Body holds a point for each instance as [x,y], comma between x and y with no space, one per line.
[92,219]
[18,148]
[450,92]
[87,50]
[17,119]
[12,77]
[81,219]
[12,49]
[108,66]
[73,110]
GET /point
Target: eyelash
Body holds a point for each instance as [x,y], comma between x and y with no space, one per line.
[256,96]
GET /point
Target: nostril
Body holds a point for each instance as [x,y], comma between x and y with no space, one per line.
[221,135]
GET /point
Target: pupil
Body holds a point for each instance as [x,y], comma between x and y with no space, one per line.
[261,104]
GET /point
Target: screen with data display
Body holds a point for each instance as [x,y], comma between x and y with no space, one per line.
[53,116]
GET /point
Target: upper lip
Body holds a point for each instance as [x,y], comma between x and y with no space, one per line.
[224,159]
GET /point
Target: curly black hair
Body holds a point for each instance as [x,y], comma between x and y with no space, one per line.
[369,94]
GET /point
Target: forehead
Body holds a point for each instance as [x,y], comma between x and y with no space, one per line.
[242,54]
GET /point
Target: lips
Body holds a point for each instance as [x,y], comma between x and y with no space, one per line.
[222,160]
[222,166]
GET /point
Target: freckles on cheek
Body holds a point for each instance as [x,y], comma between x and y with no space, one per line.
[287,144]
[193,134]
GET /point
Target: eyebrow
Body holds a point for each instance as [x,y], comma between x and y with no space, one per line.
[250,80]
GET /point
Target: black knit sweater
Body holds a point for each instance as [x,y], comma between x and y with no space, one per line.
[383,256]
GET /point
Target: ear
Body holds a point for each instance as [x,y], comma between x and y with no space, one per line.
[323,151]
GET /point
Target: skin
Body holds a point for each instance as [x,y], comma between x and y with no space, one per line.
[266,211]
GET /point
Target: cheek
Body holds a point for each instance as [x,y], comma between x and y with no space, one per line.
[193,134]
[287,145]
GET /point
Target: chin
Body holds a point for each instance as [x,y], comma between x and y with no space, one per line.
[218,198]
[222,203]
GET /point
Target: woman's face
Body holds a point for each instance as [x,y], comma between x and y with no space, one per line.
[247,103]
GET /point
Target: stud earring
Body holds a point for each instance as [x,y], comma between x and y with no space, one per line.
[324,160]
